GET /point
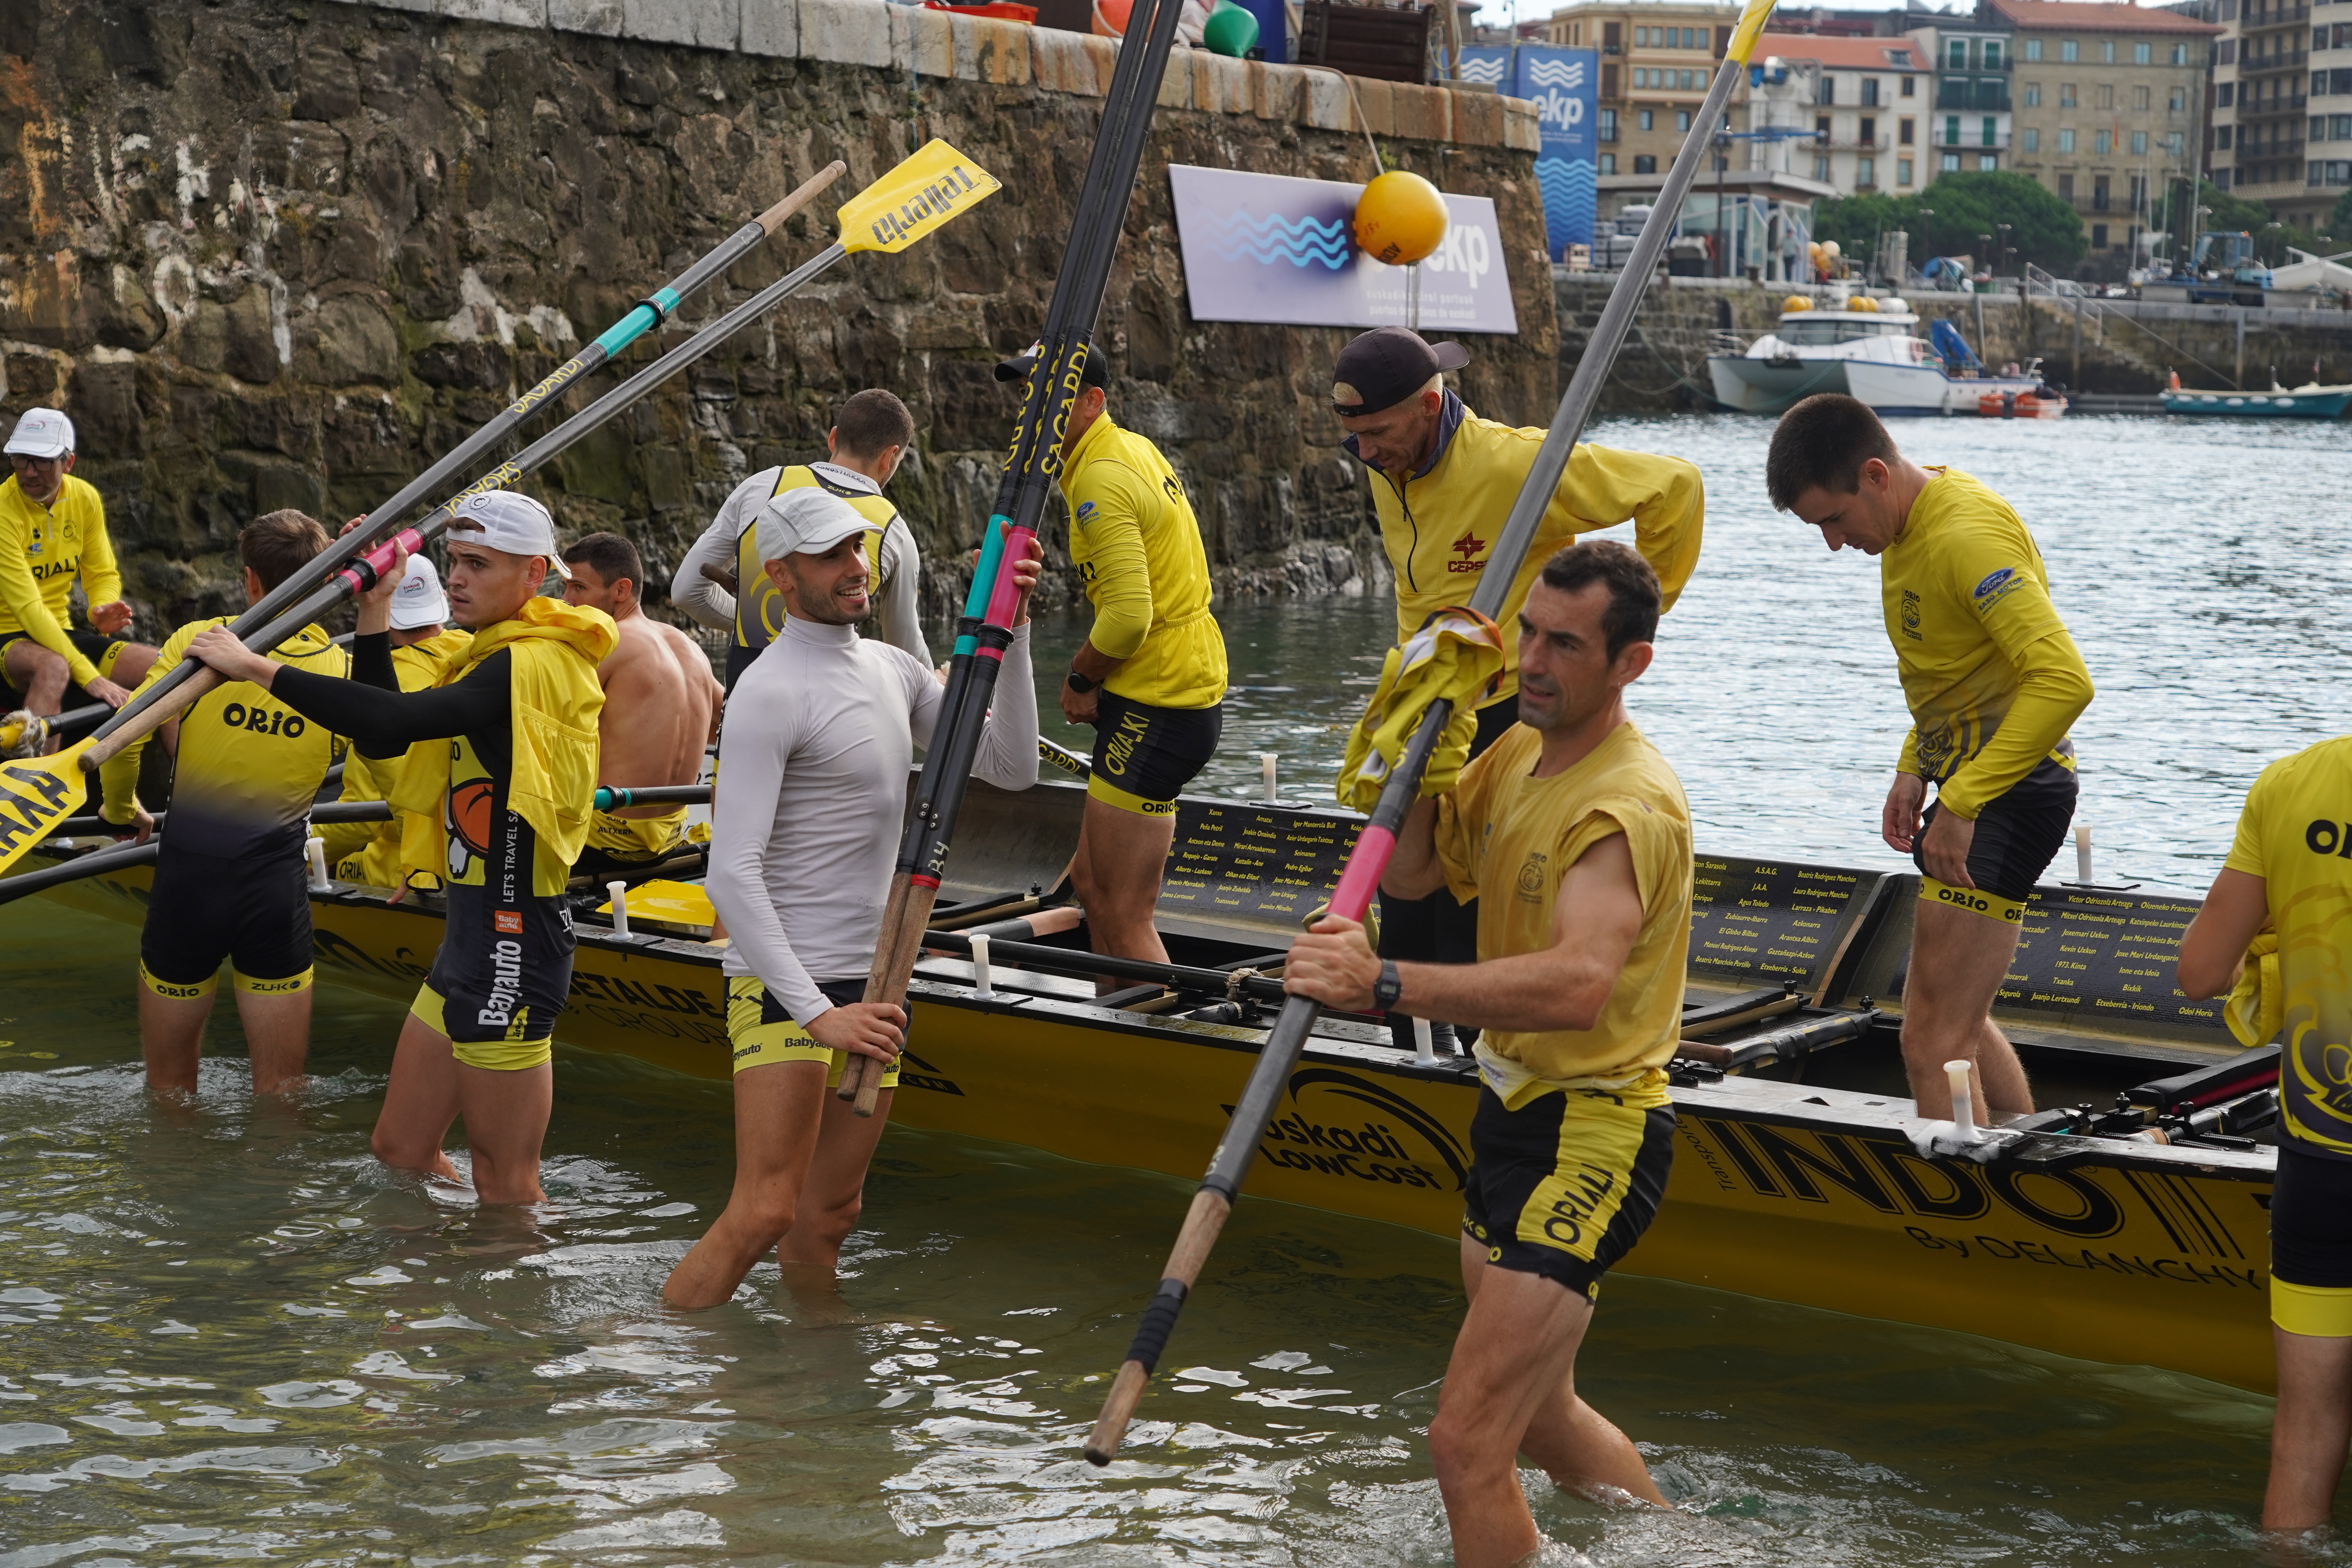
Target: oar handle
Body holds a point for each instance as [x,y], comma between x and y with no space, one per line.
[152,717]
[905,917]
[774,217]
[1193,1243]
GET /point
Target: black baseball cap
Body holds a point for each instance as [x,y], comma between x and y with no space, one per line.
[1382,368]
[1095,372]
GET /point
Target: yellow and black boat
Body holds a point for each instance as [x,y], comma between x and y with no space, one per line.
[2129,1226]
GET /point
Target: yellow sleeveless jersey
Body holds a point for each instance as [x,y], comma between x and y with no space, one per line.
[759,608]
[42,551]
[1991,677]
[1136,547]
[249,766]
[2295,832]
[369,852]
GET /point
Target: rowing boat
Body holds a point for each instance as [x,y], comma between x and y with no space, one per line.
[1797,1177]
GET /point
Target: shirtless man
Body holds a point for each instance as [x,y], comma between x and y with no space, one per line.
[661,708]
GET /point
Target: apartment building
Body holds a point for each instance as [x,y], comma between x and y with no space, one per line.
[1864,101]
[2282,105]
[2108,108]
[1972,128]
[1657,59]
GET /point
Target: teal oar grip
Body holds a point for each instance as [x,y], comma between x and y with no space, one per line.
[983,581]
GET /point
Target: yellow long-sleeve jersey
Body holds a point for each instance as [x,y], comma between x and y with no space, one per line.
[42,551]
[1138,550]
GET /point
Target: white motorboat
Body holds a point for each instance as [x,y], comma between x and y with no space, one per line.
[1815,351]
[1945,376]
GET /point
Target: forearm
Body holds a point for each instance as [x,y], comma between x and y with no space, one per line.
[1414,870]
[1094,663]
[1529,992]
[2051,695]
[1007,756]
[704,601]
[385,722]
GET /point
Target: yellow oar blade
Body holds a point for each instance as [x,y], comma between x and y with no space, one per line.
[36,795]
[911,201]
[1751,27]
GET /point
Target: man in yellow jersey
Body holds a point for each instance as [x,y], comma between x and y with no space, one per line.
[502,756]
[231,881]
[661,710]
[1443,483]
[53,530]
[423,646]
[1150,676]
[1572,833]
[2285,893]
[1994,683]
[873,431]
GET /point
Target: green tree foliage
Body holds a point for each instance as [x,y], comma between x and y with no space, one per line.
[1947,218]
[2222,211]
[2340,222]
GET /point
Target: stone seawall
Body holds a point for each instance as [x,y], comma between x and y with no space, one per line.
[284,252]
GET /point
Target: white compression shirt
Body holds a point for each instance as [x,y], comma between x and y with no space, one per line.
[811,796]
[898,611]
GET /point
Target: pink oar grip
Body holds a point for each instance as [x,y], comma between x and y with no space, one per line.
[1001,597]
[1352,899]
[379,560]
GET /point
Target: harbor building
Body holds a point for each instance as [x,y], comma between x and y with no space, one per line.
[1866,101]
[2282,105]
[1656,60]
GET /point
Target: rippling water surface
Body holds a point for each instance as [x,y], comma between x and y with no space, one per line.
[226,1334]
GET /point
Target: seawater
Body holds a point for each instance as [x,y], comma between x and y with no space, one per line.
[224,1334]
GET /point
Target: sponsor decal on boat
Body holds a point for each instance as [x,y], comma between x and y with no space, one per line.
[1345,1126]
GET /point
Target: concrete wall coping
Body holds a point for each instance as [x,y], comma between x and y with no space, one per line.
[887,37]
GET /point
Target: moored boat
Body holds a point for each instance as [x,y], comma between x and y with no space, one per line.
[1799,1176]
[2309,401]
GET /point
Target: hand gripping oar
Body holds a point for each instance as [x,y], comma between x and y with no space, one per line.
[643,316]
[984,631]
[900,208]
[1353,896]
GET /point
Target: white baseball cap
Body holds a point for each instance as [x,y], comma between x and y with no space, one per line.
[806,522]
[419,601]
[505,521]
[42,433]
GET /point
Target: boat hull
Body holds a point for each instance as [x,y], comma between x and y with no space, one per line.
[2091,1248]
[1762,386]
[2326,403]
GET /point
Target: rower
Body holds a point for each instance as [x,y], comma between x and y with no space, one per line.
[661,710]
[1993,682]
[873,431]
[814,792]
[53,531]
[423,647]
[2273,926]
[1577,830]
[1150,677]
[230,880]
[1443,482]
[502,755]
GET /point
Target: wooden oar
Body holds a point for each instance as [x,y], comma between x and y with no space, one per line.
[985,631]
[907,203]
[1366,862]
[643,316]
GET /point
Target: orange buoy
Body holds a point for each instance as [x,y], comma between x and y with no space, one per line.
[1400,218]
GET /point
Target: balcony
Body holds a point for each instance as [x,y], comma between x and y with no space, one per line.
[1970,139]
[2261,65]
[2254,21]
[2273,150]
[2289,105]
[1881,145]
[1973,98]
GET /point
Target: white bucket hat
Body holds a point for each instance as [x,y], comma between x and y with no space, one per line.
[419,601]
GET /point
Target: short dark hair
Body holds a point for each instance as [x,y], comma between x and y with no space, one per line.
[871,422]
[277,545]
[1822,444]
[1634,596]
[613,556]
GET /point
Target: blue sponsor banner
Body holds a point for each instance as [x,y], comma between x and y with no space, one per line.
[1272,247]
[1487,64]
[1564,86]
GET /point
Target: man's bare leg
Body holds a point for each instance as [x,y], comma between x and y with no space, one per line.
[132,664]
[1117,876]
[276,1037]
[1510,1388]
[778,1114]
[506,1112]
[1957,961]
[2310,1432]
[38,675]
[419,1102]
[830,1197]
[172,1037]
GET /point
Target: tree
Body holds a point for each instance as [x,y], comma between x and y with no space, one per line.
[1947,218]
[2229,214]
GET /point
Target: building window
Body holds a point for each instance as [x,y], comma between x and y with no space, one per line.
[2065,95]
[2099,197]
[2227,54]
[1992,54]
[1865,171]
[2098,236]
[2032,95]
[1906,88]
[1821,168]
[2139,100]
[2172,143]
[2106,95]
[2141,53]
[1951,130]
[1649,118]
[2067,51]
[1682,119]
[2178,101]
[2065,188]
[2139,144]
[1608,162]
[2107,51]
[2225,94]
[2028,140]
[2102,143]
[1987,133]
[1608,80]
[1829,88]
[1956,54]
[1903,131]
[1644,164]
[2222,179]
[1987,163]
[2033,49]
[2066,139]
[2180,54]
[2222,138]
[1902,170]
[1869,133]
[1821,126]
[1951,163]
[1870,92]
[1608,130]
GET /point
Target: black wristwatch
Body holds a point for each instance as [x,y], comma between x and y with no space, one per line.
[1080,684]
[1389,987]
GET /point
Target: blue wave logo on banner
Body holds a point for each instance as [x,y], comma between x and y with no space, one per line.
[1566,75]
[1302,242]
[1569,189]
[1488,65]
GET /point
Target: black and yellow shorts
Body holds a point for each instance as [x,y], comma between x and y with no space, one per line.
[764,1034]
[1566,1184]
[252,912]
[1144,756]
[2311,1243]
[2019,833]
[95,646]
[500,979]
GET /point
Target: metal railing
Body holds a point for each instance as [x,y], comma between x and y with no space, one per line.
[2069,297]
[1970,137]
